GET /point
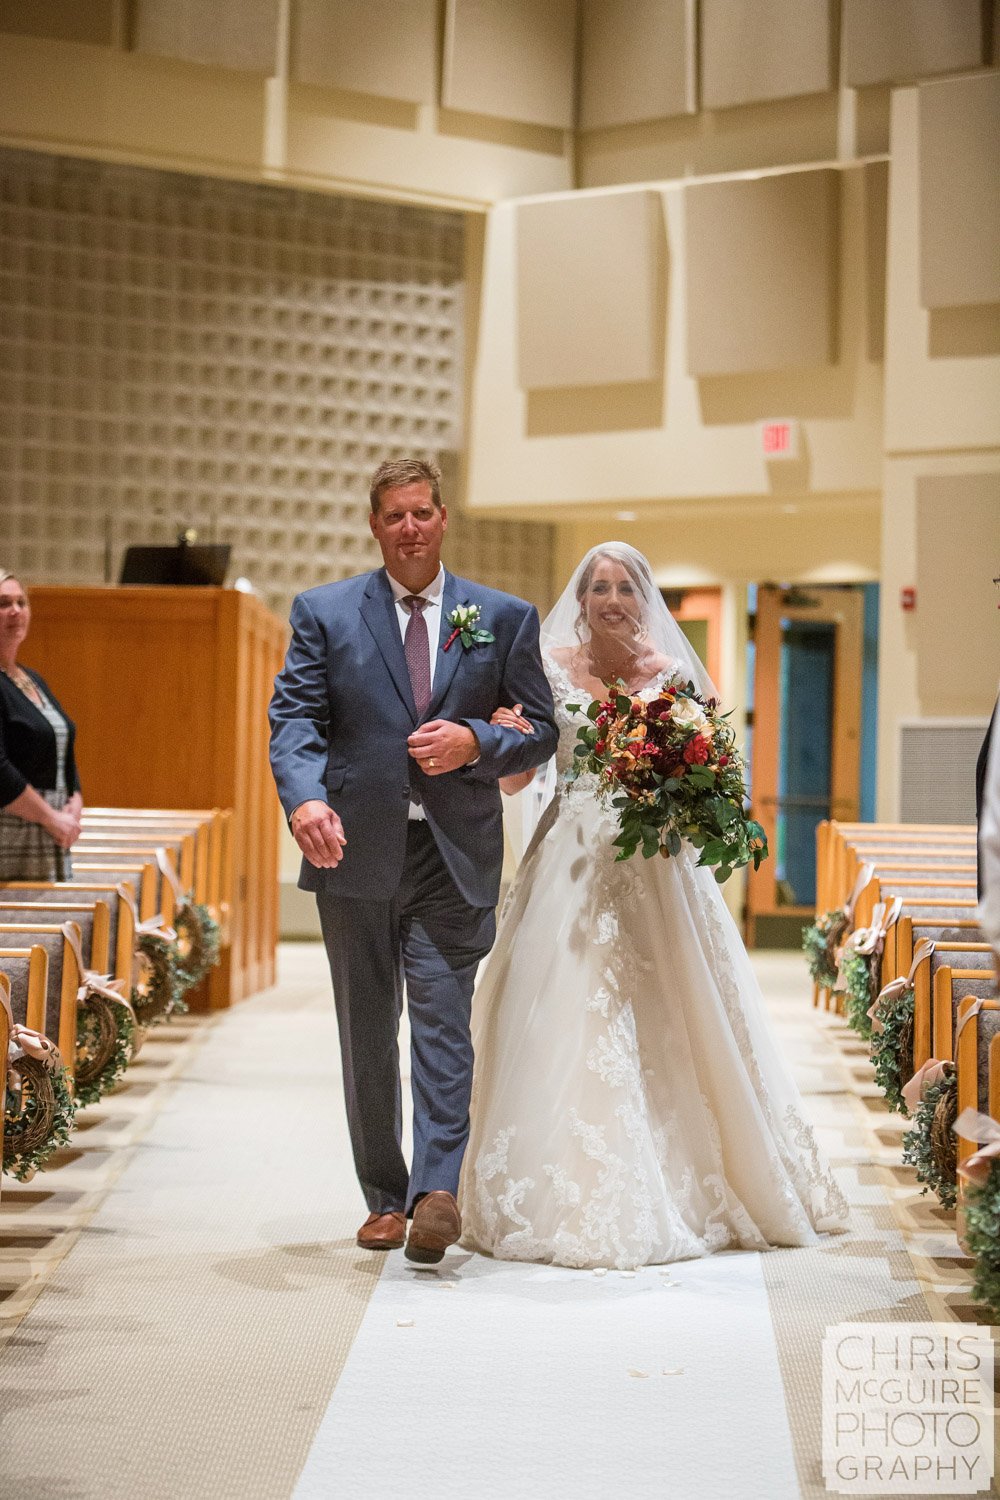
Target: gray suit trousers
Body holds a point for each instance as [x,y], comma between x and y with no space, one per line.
[427,934]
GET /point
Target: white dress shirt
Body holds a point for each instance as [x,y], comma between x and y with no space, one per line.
[432,614]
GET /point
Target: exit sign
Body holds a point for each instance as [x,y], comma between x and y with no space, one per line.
[779,439]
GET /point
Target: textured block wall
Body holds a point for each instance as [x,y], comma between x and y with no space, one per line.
[182,351]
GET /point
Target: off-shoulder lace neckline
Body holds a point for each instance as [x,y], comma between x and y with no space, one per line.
[555,670]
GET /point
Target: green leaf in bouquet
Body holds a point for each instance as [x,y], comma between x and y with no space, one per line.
[572,708]
[620,801]
[712,851]
[593,709]
[701,778]
[673,841]
[623,704]
[726,811]
[723,873]
[583,749]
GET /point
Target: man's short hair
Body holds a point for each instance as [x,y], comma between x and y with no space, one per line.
[397,471]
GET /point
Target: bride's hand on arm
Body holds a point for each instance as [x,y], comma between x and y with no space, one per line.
[512,718]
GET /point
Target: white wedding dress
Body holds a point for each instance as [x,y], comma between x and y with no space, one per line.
[630,1105]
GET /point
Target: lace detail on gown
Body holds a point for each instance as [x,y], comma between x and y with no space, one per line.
[628,1106]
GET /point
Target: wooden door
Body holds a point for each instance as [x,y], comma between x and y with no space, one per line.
[808,671]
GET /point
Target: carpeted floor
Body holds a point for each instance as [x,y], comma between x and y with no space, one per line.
[185,1313]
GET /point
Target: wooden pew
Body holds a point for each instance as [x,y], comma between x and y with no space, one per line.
[181,846]
[932,1025]
[213,851]
[978,1061]
[25,977]
[142,876]
[93,917]
[119,898]
[55,1013]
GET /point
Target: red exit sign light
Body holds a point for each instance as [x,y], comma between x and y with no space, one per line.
[779,440]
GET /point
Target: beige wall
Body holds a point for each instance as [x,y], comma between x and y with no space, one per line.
[942,418]
[679,437]
[126,106]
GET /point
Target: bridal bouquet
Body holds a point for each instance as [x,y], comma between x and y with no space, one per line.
[671,769]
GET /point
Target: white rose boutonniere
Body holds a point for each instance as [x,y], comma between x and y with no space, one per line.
[464,619]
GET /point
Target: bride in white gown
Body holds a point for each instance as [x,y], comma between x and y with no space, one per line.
[630,1104]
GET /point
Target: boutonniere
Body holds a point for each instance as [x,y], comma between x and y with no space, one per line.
[465,619]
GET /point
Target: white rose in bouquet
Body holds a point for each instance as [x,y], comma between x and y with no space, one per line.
[688,714]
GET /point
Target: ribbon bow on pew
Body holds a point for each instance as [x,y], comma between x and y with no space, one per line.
[896,988]
[871,939]
[974,1126]
[152,926]
[865,874]
[181,897]
[24,1042]
[930,1072]
[92,983]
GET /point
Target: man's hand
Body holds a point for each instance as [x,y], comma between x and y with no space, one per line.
[440,746]
[319,833]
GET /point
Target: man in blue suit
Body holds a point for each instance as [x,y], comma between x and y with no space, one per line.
[387,765]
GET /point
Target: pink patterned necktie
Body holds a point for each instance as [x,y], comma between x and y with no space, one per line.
[416,649]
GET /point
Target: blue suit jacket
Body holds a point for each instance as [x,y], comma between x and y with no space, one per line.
[342,711]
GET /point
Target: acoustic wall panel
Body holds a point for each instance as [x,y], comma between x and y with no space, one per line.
[369,46]
[588,283]
[238,34]
[514,59]
[896,39]
[958,128]
[761,270]
[61,20]
[951,509]
[754,50]
[637,61]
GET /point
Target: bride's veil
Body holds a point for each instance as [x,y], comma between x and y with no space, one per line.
[565,626]
[565,629]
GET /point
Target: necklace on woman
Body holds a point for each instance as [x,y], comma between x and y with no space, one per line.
[19,677]
[626,673]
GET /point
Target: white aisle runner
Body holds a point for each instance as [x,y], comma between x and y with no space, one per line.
[494,1379]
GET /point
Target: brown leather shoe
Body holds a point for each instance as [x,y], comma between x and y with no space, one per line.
[383,1231]
[436,1224]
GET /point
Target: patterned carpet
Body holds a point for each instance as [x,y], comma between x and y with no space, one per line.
[185,1313]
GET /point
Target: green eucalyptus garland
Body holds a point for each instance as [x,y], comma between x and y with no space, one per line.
[198,942]
[982,1235]
[105,1045]
[159,989]
[930,1144]
[819,941]
[38,1117]
[892,1049]
[856,972]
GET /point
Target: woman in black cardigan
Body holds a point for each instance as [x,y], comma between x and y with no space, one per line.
[40,801]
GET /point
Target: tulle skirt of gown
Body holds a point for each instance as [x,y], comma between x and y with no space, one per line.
[630,1104]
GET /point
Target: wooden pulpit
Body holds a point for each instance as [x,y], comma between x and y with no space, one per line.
[169,689]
